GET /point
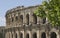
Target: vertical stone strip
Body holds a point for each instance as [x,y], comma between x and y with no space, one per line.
[18,34]
[22,33]
[24,18]
[41,20]
[10,34]
[46,20]
[30,34]
[38,20]
[30,18]
[13,34]
[47,35]
[6,35]
[38,34]
[58,35]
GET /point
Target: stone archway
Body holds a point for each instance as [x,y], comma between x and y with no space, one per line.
[43,35]
[21,19]
[27,19]
[53,35]
[44,20]
[27,35]
[35,35]
[16,18]
[21,35]
[12,19]
[34,19]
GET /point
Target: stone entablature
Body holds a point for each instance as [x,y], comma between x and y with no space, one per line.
[20,8]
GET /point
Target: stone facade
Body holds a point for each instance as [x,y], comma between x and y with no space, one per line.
[21,22]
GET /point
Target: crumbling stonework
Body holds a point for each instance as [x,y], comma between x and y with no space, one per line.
[21,22]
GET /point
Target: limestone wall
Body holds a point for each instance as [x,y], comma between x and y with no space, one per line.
[22,16]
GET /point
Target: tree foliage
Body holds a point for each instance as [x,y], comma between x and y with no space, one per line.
[51,10]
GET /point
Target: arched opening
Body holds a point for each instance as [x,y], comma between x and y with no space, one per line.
[16,35]
[44,20]
[21,35]
[53,35]
[12,19]
[34,19]
[16,18]
[27,19]
[27,36]
[34,35]
[43,35]
[21,19]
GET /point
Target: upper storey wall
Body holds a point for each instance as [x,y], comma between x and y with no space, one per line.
[22,16]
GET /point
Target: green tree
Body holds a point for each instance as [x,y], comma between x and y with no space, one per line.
[51,10]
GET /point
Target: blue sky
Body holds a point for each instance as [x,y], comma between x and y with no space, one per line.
[8,4]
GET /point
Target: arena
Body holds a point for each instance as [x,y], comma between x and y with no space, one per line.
[21,22]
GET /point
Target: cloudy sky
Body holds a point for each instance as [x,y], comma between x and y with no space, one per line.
[8,4]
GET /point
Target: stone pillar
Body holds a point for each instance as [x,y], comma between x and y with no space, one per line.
[46,20]
[41,20]
[18,34]
[22,33]
[58,35]
[10,34]
[6,35]
[47,35]
[30,34]
[24,18]
[30,18]
[38,34]
[13,34]
[38,20]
